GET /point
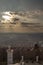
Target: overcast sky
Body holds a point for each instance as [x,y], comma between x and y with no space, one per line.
[21,5]
[34,7]
[33,13]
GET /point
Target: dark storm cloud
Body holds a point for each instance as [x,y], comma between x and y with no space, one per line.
[20,4]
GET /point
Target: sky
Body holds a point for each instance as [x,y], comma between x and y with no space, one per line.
[28,11]
[21,5]
[30,19]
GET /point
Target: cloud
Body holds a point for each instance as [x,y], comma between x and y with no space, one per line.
[27,16]
[27,22]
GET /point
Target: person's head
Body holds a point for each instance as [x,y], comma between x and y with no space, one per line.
[36,45]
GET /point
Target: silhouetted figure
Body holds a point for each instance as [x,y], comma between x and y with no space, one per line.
[36,51]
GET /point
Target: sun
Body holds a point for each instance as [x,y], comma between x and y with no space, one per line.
[6,17]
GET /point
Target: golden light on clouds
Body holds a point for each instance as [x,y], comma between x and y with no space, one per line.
[22,21]
[30,16]
[6,13]
[6,17]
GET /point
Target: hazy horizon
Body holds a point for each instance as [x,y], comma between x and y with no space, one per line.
[21,39]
